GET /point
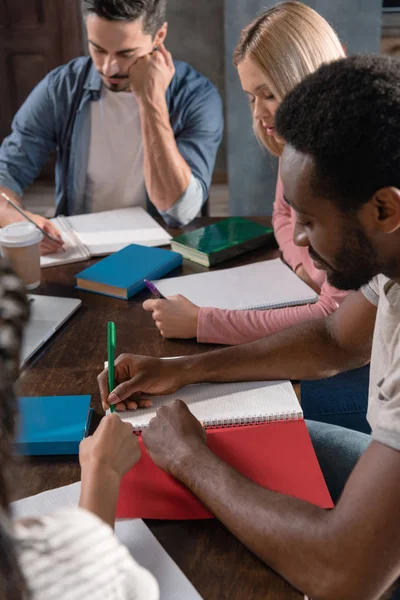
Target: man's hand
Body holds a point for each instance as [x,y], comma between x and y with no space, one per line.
[174,438]
[46,245]
[137,375]
[9,215]
[112,448]
[151,75]
[175,318]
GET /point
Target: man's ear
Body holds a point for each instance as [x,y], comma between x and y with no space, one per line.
[161,34]
[386,202]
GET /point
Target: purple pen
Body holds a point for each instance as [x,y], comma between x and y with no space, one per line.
[150,286]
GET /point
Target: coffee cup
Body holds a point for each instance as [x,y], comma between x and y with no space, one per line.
[20,244]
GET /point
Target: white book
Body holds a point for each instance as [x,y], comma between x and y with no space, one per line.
[98,234]
[227,404]
[261,285]
[133,533]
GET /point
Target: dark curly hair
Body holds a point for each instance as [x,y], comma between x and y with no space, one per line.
[14,312]
[151,11]
[346,116]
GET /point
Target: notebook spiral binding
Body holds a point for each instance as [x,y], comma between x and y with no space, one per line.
[280,304]
[253,420]
[249,420]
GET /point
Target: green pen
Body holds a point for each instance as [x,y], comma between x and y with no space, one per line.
[111,344]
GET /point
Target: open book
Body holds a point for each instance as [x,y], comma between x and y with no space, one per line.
[228,404]
[266,284]
[101,233]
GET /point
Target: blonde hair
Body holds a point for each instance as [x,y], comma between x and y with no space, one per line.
[287,42]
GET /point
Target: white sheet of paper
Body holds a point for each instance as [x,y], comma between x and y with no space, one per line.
[136,536]
[216,404]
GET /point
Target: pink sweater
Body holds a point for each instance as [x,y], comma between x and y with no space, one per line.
[219,326]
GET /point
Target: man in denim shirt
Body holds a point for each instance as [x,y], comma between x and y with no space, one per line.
[131,126]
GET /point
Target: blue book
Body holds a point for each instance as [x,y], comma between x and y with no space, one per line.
[52,424]
[121,274]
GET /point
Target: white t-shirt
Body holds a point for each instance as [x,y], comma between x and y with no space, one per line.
[115,175]
[73,555]
[384,386]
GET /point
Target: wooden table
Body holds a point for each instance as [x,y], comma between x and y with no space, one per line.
[216,563]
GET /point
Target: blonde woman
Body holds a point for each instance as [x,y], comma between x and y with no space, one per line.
[275,52]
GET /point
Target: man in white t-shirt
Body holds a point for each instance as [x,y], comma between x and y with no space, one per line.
[131,126]
[341,174]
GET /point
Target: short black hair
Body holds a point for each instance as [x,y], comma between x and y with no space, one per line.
[151,11]
[346,116]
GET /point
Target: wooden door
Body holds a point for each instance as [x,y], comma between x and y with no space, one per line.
[35,37]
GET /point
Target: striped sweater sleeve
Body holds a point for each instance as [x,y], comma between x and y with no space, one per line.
[73,554]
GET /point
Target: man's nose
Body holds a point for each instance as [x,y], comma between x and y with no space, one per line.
[111,68]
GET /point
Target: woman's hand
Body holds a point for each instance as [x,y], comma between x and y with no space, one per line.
[112,447]
[175,317]
[105,457]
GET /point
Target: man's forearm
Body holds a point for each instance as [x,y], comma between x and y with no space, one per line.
[167,175]
[349,552]
[305,351]
[288,534]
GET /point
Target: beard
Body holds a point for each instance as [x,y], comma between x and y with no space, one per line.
[123,84]
[356,263]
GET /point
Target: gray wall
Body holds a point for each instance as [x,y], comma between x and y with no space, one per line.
[196,35]
[358,22]
[252,174]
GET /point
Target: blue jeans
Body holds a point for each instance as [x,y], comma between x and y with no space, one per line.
[339,400]
[338,450]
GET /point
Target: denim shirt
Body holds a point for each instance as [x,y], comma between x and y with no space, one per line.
[63,97]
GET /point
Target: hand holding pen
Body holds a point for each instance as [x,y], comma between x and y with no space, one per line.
[176,318]
[150,286]
[58,241]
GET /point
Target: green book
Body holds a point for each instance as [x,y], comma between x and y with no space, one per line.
[215,243]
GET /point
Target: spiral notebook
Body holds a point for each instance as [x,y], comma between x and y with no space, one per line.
[255,427]
[261,285]
[228,404]
[98,234]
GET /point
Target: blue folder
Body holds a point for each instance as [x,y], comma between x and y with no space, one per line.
[52,424]
[121,274]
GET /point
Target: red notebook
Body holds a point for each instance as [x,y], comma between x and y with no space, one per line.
[276,455]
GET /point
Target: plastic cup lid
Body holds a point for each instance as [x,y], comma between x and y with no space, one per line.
[19,235]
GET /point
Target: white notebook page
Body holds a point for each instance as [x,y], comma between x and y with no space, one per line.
[136,536]
[110,231]
[217,404]
[266,284]
[73,251]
